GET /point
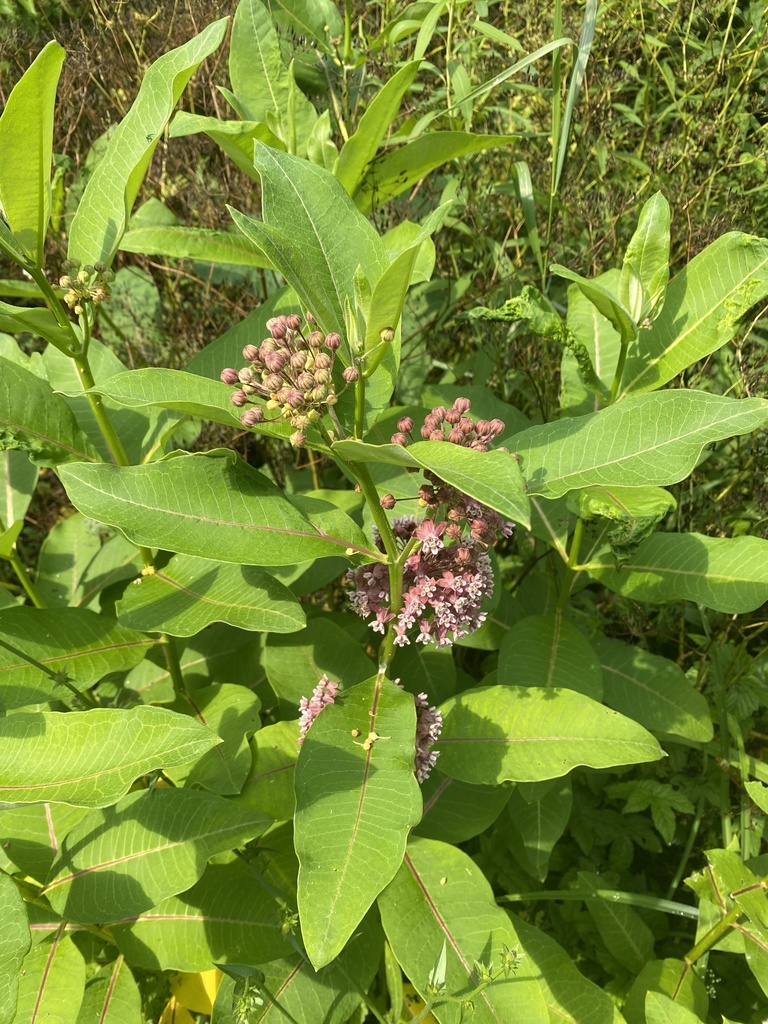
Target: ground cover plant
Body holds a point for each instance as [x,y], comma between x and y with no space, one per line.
[448,701]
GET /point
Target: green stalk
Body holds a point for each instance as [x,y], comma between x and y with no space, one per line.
[360,407]
[633,899]
[570,568]
[29,587]
[174,665]
[619,371]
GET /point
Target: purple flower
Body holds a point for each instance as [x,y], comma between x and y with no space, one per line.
[322,695]
[429,722]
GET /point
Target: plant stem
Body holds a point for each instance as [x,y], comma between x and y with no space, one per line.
[570,568]
[30,588]
[619,371]
[360,407]
[174,665]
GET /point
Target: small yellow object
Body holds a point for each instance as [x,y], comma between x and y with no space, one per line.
[175,1014]
[196,991]
[413,1004]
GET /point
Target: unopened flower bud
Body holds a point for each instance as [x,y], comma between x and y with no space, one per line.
[250,388]
[305,381]
[245,376]
[400,439]
[452,416]
[294,399]
[322,376]
[277,328]
[405,424]
[309,318]
[462,404]
[388,335]
[388,502]
[229,376]
[251,417]
[238,398]
[275,361]
[497,427]
[273,382]
[298,360]
[323,361]
[293,322]
[455,436]
[316,339]
[250,352]
[298,438]
[436,435]
[483,427]
[332,341]
[351,374]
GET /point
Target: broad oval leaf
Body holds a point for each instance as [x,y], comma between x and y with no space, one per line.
[492,477]
[40,422]
[644,439]
[178,390]
[102,213]
[15,940]
[190,593]
[355,802]
[537,813]
[601,341]
[729,574]
[526,734]
[653,690]
[84,645]
[455,811]
[212,505]
[51,982]
[548,650]
[90,758]
[312,233]
[112,997]
[64,556]
[194,244]
[440,897]
[225,917]
[122,860]
[269,785]
[26,142]
[31,835]
[702,308]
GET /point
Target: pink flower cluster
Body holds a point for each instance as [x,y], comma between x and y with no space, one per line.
[443,585]
[322,695]
[429,722]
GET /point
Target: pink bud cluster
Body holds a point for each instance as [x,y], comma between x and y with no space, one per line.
[444,585]
[292,371]
[454,426]
[323,694]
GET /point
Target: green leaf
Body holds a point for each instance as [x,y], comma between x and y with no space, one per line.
[122,860]
[294,665]
[729,574]
[117,559]
[91,758]
[26,142]
[315,19]
[15,941]
[672,978]
[601,341]
[80,643]
[64,556]
[102,213]
[570,997]
[18,477]
[398,170]
[331,995]
[702,309]
[178,390]
[526,734]
[269,785]
[653,691]
[644,439]
[538,815]
[36,420]
[645,271]
[111,997]
[51,982]
[201,244]
[440,896]
[312,233]
[360,148]
[603,301]
[455,811]
[354,806]
[548,650]
[31,835]
[212,505]
[190,593]
[226,916]
[262,82]
[626,936]
[426,668]
[233,713]
[35,320]
[492,477]
[236,138]
[660,1009]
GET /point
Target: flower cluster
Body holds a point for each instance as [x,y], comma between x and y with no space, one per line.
[322,695]
[444,584]
[429,722]
[454,426]
[290,370]
[88,284]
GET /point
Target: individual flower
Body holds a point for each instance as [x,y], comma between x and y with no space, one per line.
[291,373]
[322,695]
[444,586]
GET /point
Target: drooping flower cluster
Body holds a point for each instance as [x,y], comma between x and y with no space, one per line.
[429,722]
[444,585]
[454,426]
[88,284]
[322,695]
[292,372]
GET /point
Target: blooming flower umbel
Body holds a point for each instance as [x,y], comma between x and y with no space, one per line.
[323,694]
[291,371]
